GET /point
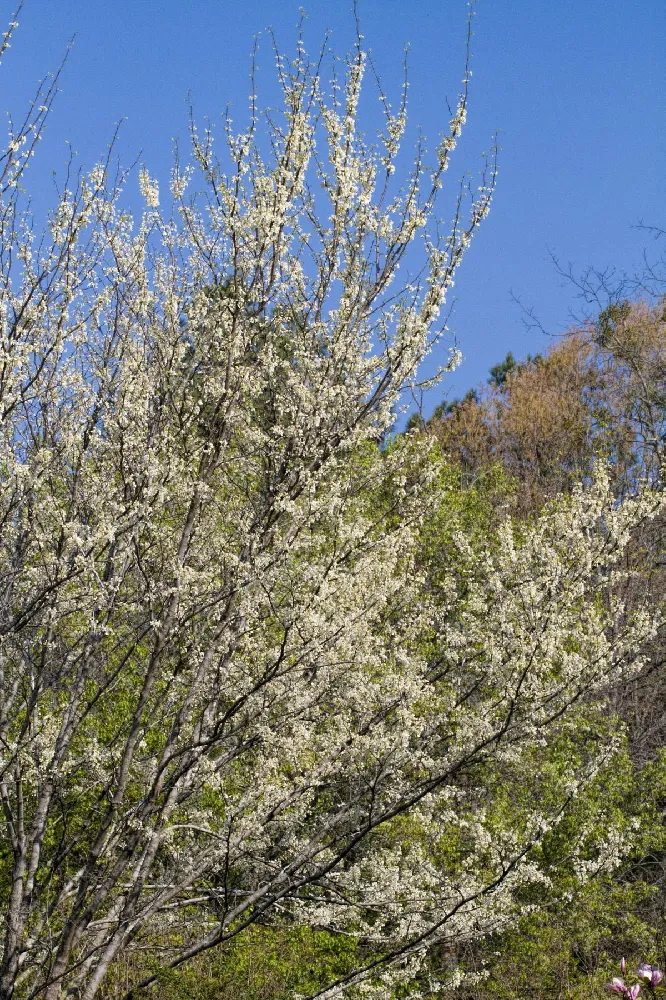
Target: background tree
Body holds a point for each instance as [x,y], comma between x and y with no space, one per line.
[599,392]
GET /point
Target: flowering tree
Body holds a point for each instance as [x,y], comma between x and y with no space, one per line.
[236,684]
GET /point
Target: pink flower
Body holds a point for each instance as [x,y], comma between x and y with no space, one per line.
[650,974]
[619,986]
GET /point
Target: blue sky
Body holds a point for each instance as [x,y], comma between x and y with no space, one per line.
[575,87]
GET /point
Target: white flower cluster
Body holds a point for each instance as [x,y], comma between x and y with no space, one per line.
[149,188]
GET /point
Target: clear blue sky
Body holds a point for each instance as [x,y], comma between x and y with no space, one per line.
[576,88]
